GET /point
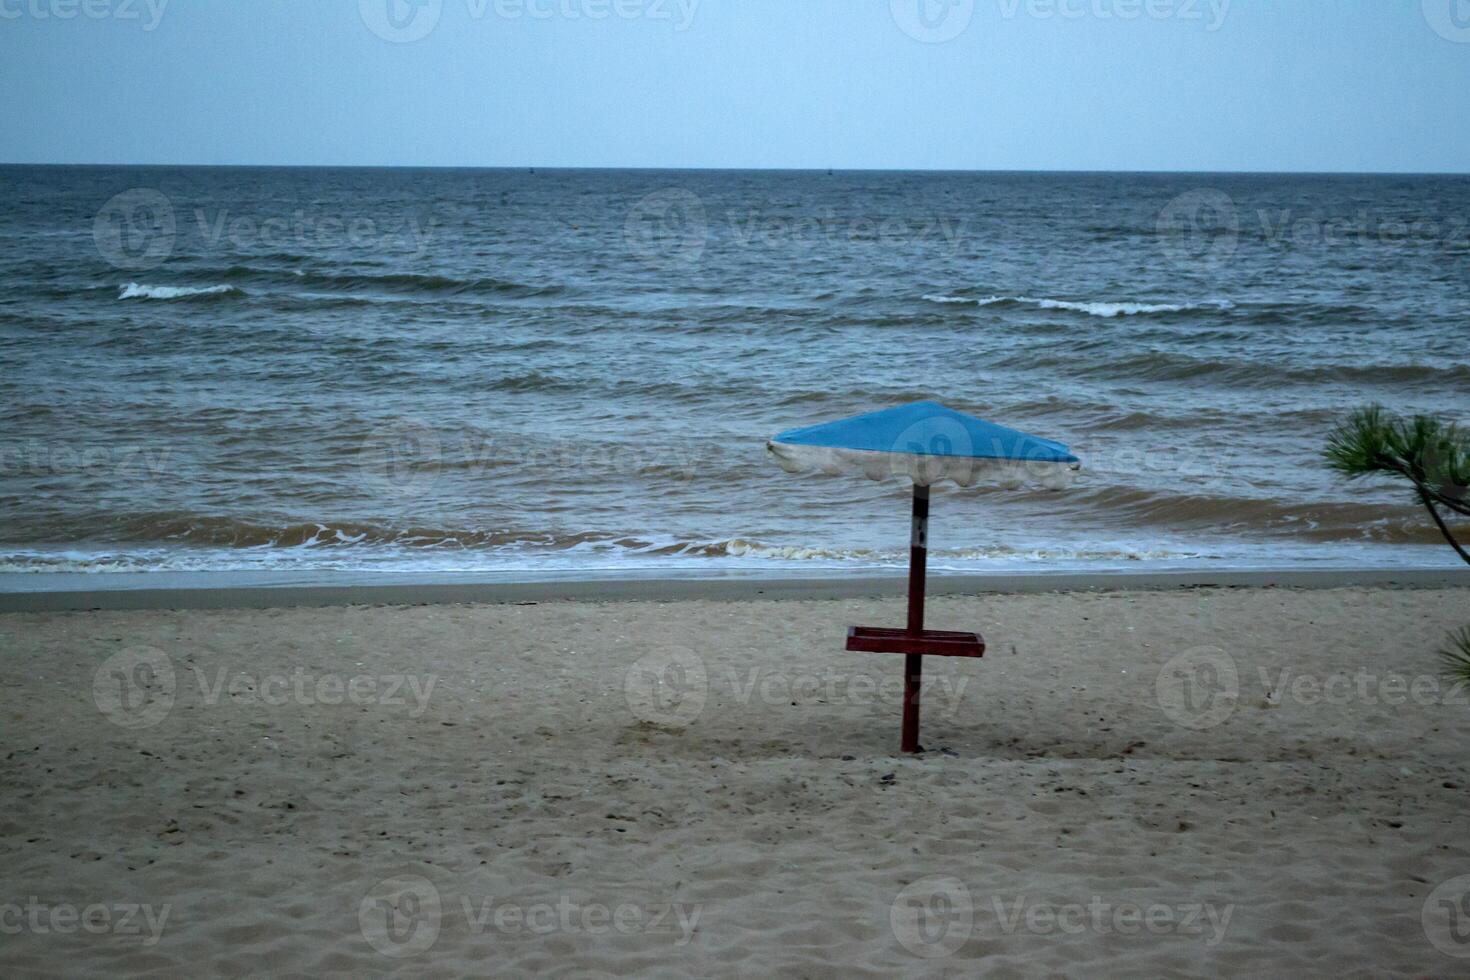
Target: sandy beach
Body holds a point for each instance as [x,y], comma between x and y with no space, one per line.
[447,450]
[1189,782]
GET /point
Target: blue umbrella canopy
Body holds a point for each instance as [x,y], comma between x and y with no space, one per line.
[926,443]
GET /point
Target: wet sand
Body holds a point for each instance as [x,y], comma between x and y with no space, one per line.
[254,590]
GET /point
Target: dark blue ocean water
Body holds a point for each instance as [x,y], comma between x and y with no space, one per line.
[576,370]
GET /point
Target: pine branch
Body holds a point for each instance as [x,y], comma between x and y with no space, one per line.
[1443,528]
[1432,455]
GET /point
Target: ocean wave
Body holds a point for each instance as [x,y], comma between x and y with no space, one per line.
[1143,511]
[417,283]
[1161,365]
[603,553]
[134,290]
[143,539]
[1190,508]
[193,530]
[381,282]
[226,545]
[1099,309]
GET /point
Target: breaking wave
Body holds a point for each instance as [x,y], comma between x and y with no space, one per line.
[134,290]
[1106,310]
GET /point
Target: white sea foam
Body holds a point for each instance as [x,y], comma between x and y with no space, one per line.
[134,290]
[721,558]
[998,555]
[1106,310]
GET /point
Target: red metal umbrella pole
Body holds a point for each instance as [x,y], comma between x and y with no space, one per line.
[914,641]
[913,664]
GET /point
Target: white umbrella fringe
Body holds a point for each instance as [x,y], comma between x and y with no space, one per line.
[923,469]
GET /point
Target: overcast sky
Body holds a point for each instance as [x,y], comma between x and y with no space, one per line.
[1347,85]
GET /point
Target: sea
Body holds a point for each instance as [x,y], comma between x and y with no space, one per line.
[532,372]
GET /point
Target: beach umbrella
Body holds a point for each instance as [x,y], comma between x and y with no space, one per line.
[924,443]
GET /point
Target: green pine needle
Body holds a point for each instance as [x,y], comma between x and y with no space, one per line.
[1430,453]
[1456,655]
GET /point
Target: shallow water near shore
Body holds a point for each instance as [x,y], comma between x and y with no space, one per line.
[574,372]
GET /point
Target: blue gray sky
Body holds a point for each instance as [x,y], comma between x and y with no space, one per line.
[1319,85]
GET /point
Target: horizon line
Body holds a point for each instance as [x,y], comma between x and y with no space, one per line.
[737,169]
